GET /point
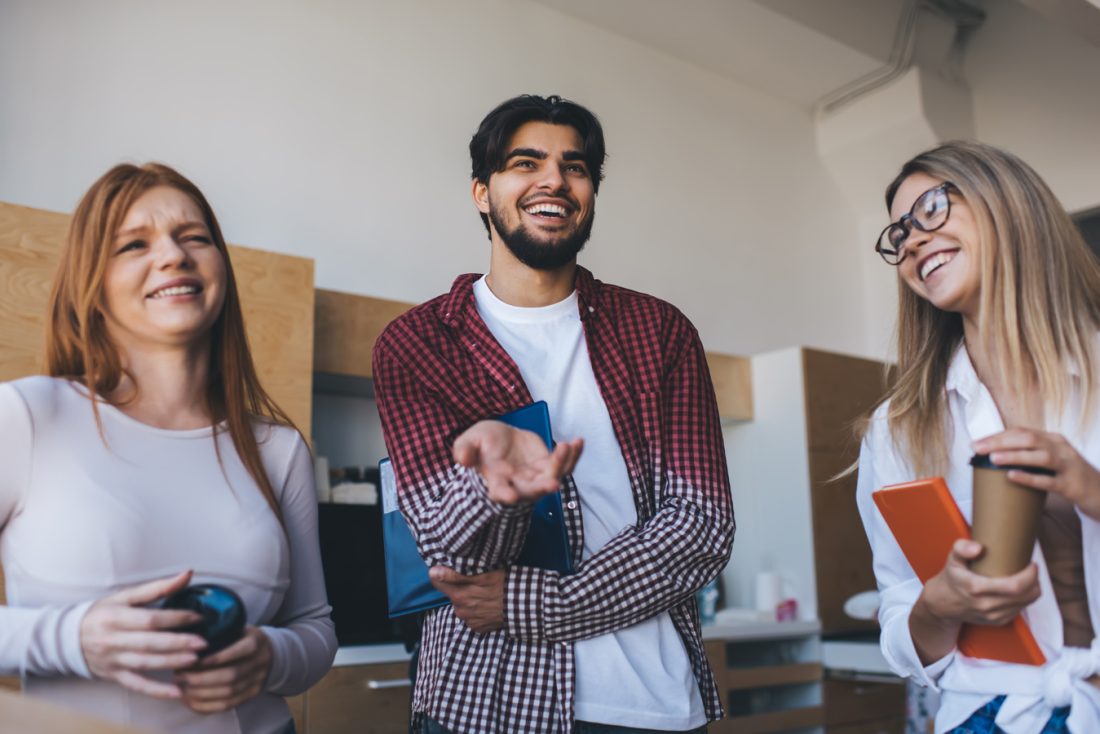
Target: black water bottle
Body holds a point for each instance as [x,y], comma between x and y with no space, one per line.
[223,614]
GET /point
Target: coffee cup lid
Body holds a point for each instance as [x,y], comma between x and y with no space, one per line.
[982,461]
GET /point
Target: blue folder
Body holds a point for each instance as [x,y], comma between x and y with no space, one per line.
[408,588]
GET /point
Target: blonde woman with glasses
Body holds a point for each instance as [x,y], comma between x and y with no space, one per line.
[999,314]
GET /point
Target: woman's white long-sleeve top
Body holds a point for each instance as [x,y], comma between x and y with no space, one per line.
[83,515]
[966,683]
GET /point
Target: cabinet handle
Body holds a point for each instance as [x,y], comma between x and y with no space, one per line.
[378,685]
[857,677]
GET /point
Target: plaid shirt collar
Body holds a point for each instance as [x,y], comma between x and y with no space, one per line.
[459,306]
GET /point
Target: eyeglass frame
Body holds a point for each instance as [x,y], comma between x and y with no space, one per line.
[908,222]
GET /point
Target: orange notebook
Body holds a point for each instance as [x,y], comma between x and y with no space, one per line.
[926,522]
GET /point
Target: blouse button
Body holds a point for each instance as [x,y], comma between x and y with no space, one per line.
[571,504]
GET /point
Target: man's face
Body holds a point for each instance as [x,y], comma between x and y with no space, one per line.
[542,202]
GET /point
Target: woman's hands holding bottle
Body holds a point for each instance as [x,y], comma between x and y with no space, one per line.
[122,640]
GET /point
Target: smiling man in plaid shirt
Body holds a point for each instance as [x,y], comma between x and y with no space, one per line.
[615,646]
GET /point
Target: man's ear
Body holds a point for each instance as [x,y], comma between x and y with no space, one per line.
[480,192]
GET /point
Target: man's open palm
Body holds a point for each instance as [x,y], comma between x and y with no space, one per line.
[515,463]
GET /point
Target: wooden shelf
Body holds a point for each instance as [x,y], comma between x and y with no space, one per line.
[774,721]
[772,675]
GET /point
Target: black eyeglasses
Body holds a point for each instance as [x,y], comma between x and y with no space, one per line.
[929,213]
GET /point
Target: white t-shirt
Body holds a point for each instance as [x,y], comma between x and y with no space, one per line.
[80,518]
[640,676]
[967,683]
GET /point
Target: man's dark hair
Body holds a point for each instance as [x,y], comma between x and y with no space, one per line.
[487,147]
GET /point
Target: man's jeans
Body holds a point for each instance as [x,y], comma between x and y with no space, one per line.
[582,727]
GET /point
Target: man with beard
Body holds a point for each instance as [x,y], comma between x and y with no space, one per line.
[614,646]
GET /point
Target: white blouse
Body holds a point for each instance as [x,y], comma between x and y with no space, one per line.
[83,515]
[967,683]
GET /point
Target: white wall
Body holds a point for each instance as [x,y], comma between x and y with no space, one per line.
[1035,93]
[770,482]
[338,130]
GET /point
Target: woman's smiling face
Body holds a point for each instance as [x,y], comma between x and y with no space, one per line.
[165,280]
[943,266]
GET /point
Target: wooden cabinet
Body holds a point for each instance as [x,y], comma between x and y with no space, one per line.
[347,325]
[345,328]
[855,705]
[795,516]
[839,391]
[26,714]
[357,699]
[732,377]
[769,676]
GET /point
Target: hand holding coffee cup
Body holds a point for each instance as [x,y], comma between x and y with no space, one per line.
[1005,517]
[1068,472]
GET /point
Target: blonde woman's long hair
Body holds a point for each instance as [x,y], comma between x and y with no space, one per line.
[78,346]
[1039,307]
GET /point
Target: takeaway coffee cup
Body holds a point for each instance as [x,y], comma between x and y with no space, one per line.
[1006,517]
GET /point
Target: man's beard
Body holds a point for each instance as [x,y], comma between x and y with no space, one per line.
[541,255]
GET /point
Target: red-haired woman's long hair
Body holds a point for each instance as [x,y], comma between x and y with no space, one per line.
[78,346]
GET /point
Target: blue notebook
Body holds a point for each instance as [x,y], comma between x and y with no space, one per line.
[408,588]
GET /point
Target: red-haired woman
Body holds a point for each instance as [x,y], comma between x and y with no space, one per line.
[149,459]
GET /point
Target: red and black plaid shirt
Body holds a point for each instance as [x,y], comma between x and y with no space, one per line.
[437,370]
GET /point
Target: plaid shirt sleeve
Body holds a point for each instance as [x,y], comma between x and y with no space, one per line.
[653,566]
[448,509]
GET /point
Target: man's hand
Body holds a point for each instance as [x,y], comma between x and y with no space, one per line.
[478,600]
[514,463]
[229,677]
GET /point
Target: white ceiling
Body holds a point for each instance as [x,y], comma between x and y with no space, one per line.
[796,50]
[763,44]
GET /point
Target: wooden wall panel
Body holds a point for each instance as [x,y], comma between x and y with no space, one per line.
[277,300]
[276,296]
[839,390]
[842,556]
[30,240]
[345,329]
